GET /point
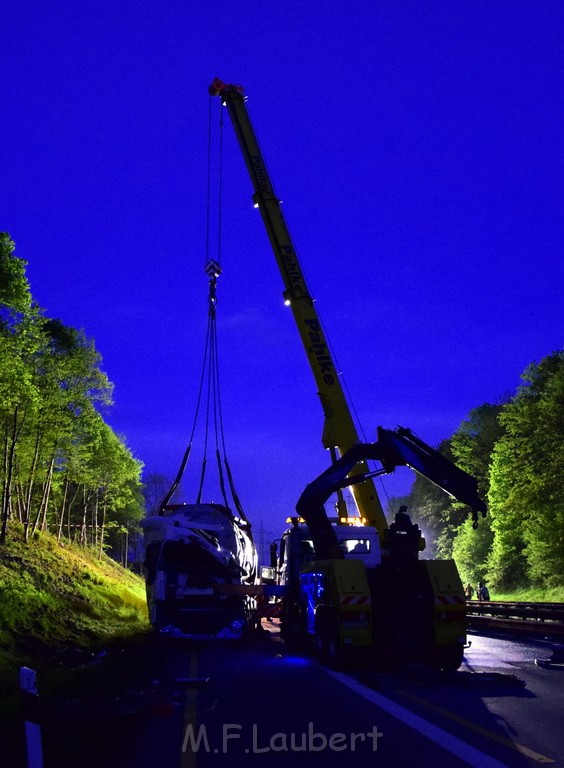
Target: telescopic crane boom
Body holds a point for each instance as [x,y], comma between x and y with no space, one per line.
[339,431]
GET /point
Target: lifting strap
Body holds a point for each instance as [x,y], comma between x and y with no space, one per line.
[210,367]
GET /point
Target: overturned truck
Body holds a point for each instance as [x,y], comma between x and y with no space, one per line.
[196,557]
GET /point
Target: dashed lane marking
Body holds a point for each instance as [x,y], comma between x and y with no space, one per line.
[188,759]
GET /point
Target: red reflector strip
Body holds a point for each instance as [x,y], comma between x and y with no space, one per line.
[356,600]
[449,600]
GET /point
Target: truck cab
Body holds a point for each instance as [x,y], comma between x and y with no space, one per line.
[356,541]
[314,587]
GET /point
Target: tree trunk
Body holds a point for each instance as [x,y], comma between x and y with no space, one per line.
[10,450]
[4,486]
[62,518]
[70,510]
[18,501]
[29,494]
[103,523]
[95,522]
[84,514]
[42,514]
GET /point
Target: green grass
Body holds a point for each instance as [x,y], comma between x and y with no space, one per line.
[55,597]
[532,595]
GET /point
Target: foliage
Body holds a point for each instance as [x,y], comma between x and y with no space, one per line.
[516,452]
[15,295]
[471,548]
[472,446]
[62,468]
[527,493]
[473,442]
[155,488]
[434,511]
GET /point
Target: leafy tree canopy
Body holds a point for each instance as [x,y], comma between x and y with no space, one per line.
[61,465]
[15,295]
[527,489]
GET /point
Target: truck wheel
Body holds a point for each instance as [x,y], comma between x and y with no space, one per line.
[327,648]
[450,657]
[334,654]
[321,643]
[293,629]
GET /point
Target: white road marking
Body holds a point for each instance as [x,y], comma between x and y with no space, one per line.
[470,755]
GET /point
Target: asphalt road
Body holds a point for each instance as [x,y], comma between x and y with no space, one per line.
[180,705]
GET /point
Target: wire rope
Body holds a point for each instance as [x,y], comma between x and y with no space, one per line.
[210,375]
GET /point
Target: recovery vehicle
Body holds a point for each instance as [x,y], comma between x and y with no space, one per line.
[354,583]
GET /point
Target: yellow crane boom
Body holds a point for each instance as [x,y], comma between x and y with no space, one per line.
[339,431]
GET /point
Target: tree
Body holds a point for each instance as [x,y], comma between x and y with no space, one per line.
[19,399]
[436,512]
[117,483]
[15,296]
[472,445]
[527,491]
[155,488]
[63,368]
[474,441]
[60,461]
[471,549]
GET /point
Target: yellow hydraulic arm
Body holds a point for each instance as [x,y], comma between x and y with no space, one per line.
[339,431]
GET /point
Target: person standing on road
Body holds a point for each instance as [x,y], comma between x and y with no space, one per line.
[469,591]
[483,591]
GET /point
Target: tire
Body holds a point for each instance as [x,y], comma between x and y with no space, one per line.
[450,657]
[334,651]
[326,641]
[321,646]
[293,630]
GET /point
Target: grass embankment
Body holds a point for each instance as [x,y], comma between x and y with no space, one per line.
[538,595]
[55,598]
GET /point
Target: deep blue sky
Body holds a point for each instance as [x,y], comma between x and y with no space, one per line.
[418,148]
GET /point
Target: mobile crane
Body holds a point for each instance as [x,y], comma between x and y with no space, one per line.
[354,583]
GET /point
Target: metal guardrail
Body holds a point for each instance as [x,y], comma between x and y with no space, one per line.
[529,619]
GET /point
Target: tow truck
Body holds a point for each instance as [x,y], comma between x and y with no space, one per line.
[353,585]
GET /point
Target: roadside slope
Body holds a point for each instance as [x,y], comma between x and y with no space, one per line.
[55,598]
